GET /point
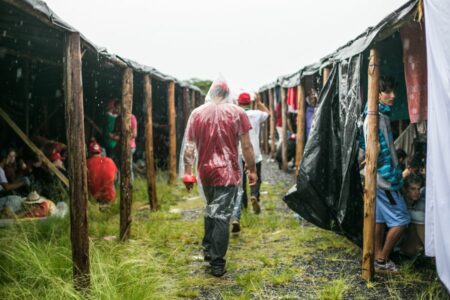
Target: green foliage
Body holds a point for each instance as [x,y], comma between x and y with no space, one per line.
[202,84]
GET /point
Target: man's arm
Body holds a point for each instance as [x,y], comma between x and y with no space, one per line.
[189,157]
[260,106]
[249,158]
[12,186]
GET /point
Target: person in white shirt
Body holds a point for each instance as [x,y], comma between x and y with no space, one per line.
[256,117]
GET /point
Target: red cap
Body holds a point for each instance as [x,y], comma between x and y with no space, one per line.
[189,179]
[244,98]
[94,148]
[56,156]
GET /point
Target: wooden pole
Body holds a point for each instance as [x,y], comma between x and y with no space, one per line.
[172,134]
[370,183]
[126,185]
[272,124]
[77,162]
[325,75]
[26,89]
[151,176]
[300,127]
[186,106]
[266,133]
[284,162]
[192,101]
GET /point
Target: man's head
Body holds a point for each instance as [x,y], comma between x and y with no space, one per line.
[8,156]
[386,87]
[413,184]
[415,165]
[244,100]
[312,95]
[219,90]
[94,148]
[111,105]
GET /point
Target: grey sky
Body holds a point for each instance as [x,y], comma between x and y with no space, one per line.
[250,42]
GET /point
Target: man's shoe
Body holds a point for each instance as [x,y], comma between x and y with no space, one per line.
[218,271]
[383,266]
[255,205]
[235,226]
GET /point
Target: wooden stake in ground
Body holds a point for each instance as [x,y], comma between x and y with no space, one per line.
[370,183]
[272,124]
[172,134]
[149,153]
[126,185]
[325,75]
[77,162]
[186,106]
[300,127]
[266,133]
[284,145]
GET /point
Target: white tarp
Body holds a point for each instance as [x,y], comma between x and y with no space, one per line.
[437,223]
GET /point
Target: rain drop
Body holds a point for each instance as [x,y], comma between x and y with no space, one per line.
[19,73]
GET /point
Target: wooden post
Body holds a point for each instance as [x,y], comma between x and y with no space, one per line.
[300,127]
[149,153]
[325,75]
[370,183]
[192,105]
[266,133]
[126,185]
[172,134]
[284,162]
[272,124]
[186,106]
[77,162]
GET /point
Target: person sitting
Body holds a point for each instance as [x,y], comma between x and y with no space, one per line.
[6,187]
[33,206]
[415,200]
[101,175]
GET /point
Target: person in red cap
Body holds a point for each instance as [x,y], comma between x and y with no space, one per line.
[256,117]
[212,136]
[101,175]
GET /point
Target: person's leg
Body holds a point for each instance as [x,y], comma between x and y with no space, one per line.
[393,236]
[224,198]
[420,229]
[244,199]
[208,225]
[397,217]
[380,229]
[256,188]
[131,162]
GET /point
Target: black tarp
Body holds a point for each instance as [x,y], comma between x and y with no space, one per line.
[328,191]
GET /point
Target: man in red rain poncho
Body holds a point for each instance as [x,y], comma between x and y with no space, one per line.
[212,139]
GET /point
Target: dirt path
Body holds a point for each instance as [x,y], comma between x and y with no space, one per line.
[276,256]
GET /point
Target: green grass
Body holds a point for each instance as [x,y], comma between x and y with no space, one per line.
[274,256]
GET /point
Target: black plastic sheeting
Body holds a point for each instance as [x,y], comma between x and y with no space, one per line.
[328,192]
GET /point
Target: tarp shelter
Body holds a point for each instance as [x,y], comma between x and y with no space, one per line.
[328,191]
[49,72]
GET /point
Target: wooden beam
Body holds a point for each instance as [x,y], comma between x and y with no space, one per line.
[126,186]
[172,133]
[192,101]
[33,58]
[272,124]
[370,181]
[300,127]
[34,148]
[186,106]
[77,162]
[149,152]
[325,75]
[284,161]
